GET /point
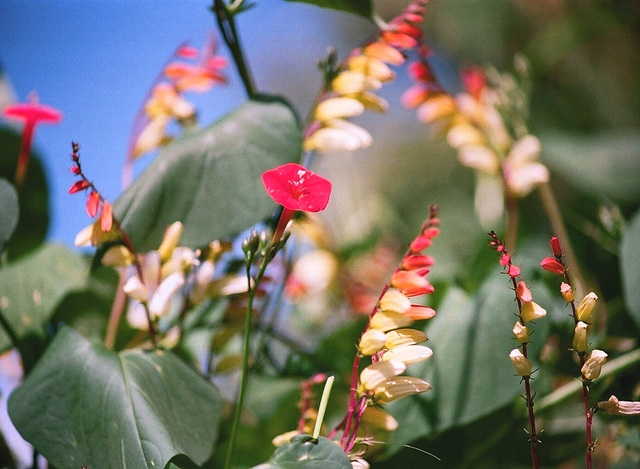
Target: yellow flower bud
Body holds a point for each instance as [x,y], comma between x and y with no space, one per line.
[394,300]
[371,67]
[408,354]
[333,108]
[520,362]
[372,341]
[593,366]
[117,256]
[170,240]
[580,337]
[585,308]
[399,387]
[377,417]
[377,373]
[521,332]
[401,337]
[389,320]
[567,292]
[531,311]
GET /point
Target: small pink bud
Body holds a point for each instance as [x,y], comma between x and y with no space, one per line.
[551,264]
[505,259]
[523,293]
[555,247]
[106,217]
[417,261]
[75,169]
[513,271]
[567,292]
[420,243]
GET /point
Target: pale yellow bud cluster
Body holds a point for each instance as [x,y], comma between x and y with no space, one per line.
[593,362]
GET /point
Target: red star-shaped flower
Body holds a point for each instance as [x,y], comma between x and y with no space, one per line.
[295,188]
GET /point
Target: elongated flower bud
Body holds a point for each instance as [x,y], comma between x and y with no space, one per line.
[520,362]
[394,300]
[522,333]
[170,240]
[408,354]
[555,246]
[613,406]
[585,308]
[567,292]
[389,320]
[551,264]
[580,337]
[523,293]
[159,303]
[401,337]
[377,373]
[399,387]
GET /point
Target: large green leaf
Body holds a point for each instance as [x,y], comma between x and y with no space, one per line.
[630,267]
[359,7]
[303,452]
[86,406]
[606,163]
[211,179]
[470,370]
[9,211]
[32,287]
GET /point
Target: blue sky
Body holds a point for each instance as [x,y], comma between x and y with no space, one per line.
[95,61]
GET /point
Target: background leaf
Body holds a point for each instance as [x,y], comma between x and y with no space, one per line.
[84,405]
[305,453]
[358,7]
[9,211]
[630,267]
[211,179]
[33,197]
[470,370]
[32,287]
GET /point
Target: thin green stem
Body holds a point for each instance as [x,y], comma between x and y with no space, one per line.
[246,349]
[323,406]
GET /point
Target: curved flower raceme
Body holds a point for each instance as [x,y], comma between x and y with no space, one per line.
[350,89]
[505,160]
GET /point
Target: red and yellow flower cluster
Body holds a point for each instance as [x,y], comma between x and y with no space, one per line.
[351,89]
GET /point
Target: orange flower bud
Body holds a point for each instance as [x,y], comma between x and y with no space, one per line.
[523,293]
[567,292]
[93,203]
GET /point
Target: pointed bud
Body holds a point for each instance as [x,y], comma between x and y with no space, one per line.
[523,293]
[170,240]
[522,333]
[408,354]
[78,186]
[159,304]
[417,261]
[399,387]
[394,300]
[593,366]
[520,362]
[531,311]
[372,341]
[75,169]
[585,308]
[567,292]
[389,320]
[580,337]
[418,312]
[555,247]
[377,373]
[551,264]
[513,271]
[401,337]
[505,259]
[420,243]
[93,203]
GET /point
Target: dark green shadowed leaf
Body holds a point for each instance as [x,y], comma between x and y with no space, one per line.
[630,267]
[210,179]
[84,405]
[359,7]
[9,211]
[303,452]
[33,197]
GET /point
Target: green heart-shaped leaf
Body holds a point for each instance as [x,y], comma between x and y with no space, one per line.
[210,179]
[303,452]
[86,406]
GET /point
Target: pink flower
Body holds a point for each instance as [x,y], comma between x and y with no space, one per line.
[32,114]
[551,264]
[295,188]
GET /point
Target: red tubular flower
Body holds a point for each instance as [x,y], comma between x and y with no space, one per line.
[474,81]
[93,203]
[295,188]
[551,264]
[80,185]
[32,114]
[106,217]
[555,247]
